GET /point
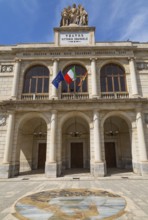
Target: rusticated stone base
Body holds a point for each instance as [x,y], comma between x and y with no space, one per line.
[144,168]
[9,170]
[136,168]
[51,170]
[98,169]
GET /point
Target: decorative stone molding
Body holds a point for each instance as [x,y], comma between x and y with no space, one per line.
[142,66]
[146,118]
[2,120]
[7,68]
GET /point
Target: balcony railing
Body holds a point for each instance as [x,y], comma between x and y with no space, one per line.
[74,96]
[39,96]
[71,96]
[115,95]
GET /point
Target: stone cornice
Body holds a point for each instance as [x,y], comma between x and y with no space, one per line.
[69,105]
[74,28]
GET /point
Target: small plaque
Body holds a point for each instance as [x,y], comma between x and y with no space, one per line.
[74,38]
[6,68]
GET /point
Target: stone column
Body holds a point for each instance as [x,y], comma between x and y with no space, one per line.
[53,129]
[15,79]
[99,169]
[97,138]
[94,79]
[51,165]
[55,72]
[9,139]
[142,144]
[133,77]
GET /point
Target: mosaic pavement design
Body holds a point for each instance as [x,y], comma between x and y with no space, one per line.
[70,204]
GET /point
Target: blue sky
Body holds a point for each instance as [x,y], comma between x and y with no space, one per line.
[27,21]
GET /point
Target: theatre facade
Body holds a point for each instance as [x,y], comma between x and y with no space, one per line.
[97,122]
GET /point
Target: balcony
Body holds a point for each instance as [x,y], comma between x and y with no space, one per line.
[71,96]
[75,96]
[115,95]
[32,96]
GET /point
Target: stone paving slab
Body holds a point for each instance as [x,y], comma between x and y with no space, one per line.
[135,192]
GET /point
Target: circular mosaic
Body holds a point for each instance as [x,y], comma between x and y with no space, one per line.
[70,204]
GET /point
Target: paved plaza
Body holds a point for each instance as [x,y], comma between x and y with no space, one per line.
[132,188]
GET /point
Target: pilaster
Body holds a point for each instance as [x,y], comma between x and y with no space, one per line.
[51,165]
[94,78]
[55,72]
[15,79]
[133,77]
[98,166]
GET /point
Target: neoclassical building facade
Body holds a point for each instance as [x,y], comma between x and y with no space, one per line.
[98,122]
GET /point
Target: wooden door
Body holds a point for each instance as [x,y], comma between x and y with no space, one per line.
[110,154]
[76,155]
[41,155]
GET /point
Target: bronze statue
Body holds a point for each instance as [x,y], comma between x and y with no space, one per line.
[74,15]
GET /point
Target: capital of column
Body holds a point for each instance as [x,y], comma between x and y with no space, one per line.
[131,58]
[17,60]
[93,59]
[55,60]
[54,111]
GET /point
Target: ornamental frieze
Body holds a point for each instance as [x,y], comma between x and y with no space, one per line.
[142,66]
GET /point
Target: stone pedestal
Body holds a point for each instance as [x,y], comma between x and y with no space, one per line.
[51,170]
[74,36]
[4,171]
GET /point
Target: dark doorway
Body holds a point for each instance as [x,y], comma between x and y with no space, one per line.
[42,156]
[76,155]
[110,154]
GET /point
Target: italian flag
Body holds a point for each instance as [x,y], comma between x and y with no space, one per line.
[70,75]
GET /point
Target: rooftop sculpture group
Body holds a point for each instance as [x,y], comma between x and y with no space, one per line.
[74,15]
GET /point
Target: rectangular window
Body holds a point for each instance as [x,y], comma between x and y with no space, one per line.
[26,86]
[116,84]
[46,85]
[71,87]
[122,83]
[39,85]
[33,85]
[103,85]
[110,85]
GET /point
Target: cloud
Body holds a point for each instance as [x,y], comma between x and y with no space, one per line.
[135,29]
[22,7]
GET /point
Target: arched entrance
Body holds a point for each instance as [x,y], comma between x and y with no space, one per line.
[32,138]
[75,144]
[117,143]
